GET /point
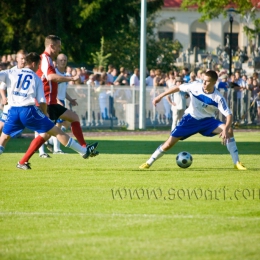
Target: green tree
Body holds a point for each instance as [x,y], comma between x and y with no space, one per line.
[99,58]
[80,23]
[125,48]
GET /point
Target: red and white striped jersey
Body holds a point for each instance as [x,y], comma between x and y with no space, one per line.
[46,68]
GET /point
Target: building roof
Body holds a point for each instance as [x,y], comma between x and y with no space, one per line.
[172,3]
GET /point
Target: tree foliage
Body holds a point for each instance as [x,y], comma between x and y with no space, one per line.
[125,48]
[99,58]
[80,23]
[246,9]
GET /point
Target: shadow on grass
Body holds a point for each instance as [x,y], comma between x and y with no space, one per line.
[146,147]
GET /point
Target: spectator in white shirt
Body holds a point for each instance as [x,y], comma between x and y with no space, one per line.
[134,80]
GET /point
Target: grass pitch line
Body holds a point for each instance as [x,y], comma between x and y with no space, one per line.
[101,215]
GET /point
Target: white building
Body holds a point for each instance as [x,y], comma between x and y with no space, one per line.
[208,35]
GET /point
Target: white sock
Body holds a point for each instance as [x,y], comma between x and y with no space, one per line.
[232,148]
[156,155]
[41,149]
[50,141]
[76,147]
[56,144]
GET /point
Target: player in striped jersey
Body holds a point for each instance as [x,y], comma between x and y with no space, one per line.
[199,117]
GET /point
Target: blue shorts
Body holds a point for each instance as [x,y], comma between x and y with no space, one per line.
[31,117]
[189,126]
[61,120]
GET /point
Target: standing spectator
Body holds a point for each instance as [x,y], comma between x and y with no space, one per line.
[121,79]
[81,77]
[171,79]
[199,76]
[158,79]
[240,94]
[73,73]
[91,80]
[110,77]
[149,79]
[185,75]
[254,101]
[134,80]
[178,103]
[68,71]
[114,73]
[192,77]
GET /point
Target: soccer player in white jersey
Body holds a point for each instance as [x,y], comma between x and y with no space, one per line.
[20,58]
[26,87]
[199,118]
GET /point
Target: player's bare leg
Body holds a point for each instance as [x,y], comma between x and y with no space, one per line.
[3,141]
[1,126]
[160,151]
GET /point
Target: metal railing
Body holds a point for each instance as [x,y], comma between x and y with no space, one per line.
[117,106]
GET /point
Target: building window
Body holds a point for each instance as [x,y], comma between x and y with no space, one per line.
[165,35]
[234,40]
[198,40]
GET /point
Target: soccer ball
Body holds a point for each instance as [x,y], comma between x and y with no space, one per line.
[184,159]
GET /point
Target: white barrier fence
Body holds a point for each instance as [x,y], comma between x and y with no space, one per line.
[118,106]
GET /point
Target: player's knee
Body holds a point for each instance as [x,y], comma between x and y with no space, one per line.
[75,117]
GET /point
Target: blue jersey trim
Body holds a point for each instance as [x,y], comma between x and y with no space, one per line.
[206,100]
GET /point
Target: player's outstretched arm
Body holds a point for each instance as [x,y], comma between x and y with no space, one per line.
[165,93]
[59,78]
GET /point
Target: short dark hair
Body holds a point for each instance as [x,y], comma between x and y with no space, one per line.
[51,39]
[32,57]
[212,74]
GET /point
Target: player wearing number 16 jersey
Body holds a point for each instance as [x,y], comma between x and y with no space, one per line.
[24,87]
[20,58]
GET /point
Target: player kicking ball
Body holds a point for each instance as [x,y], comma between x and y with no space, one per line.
[24,86]
[199,117]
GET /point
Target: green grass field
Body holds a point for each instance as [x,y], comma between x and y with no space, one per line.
[106,208]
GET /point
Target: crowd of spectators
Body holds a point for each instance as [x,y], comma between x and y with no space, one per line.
[241,91]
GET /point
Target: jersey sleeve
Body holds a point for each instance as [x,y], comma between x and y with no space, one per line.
[223,107]
[3,85]
[185,87]
[39,91]
[3,78]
